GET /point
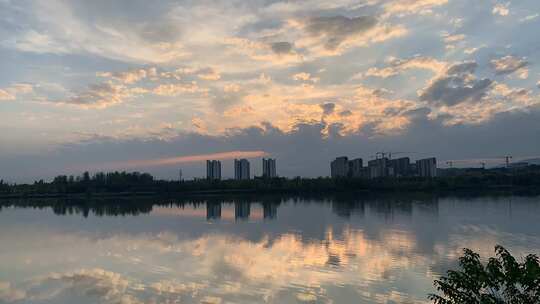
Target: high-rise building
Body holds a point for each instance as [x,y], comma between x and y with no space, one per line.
[401,166]
[355,168]
[213,169]
[269,168]
[241,169]
[379,168]
[339,167]
[427,167]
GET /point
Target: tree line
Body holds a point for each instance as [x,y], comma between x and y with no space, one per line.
[118,182]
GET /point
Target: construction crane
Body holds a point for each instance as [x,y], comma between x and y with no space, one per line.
[451,163]
[382,154]
[394,153]
[389,154]
[507,159]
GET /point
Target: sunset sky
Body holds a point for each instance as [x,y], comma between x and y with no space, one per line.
[125,84]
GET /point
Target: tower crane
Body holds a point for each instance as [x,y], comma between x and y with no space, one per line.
[507,159]
[394,153]
[389,154]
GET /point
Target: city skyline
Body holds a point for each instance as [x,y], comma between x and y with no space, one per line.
[383,167]
[269,151]
[91,85]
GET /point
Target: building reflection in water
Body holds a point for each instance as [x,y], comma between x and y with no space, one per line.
[218,208]
[270,211]
[242,210]
[213,210]
[339,249]
[346,207]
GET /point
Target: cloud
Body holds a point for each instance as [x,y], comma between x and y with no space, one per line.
[11,92]
[461,98]
[178,160]
[509,65]
[396,66]
[86,284]
[232,88]
[4,95]
[457,85]
[462,68]
[303,76]
[472,50]
[273,53]
[54,27]
[345,113]
[330,36]
[298,38]
[529,18]
[335,30]
[281,47]
[514,98]
[328,108]
[229,100]
[501,9]
[98,96]
[131,76]
[177,89]
[208,74]
[306,147]
[453,38]
[10,294]
[406,7]
[288,105]
[499,99]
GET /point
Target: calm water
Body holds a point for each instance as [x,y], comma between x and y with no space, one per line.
[249,250]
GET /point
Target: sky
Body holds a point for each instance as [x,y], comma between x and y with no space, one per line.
[126,85]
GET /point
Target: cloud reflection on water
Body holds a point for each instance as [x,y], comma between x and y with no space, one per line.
[220,265]
[369,253]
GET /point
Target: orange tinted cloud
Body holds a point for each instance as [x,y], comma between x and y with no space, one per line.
[179,160]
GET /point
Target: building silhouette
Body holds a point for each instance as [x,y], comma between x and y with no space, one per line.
[383,167]
[241,169]
[356,168]
[213,169]
[343,167]
[427,167]
[379,168]
[401,166]
[339,167]
[269,168]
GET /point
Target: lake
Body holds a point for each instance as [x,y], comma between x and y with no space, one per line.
[249,249]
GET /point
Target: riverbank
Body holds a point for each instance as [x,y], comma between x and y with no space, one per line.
[143,184]
[496,190]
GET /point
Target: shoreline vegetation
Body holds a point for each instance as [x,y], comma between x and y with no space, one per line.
[503,279]
[525,180]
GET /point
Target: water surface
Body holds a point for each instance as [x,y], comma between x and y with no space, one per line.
[250,249]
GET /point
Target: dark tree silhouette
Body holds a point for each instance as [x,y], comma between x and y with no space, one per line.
[502,280]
